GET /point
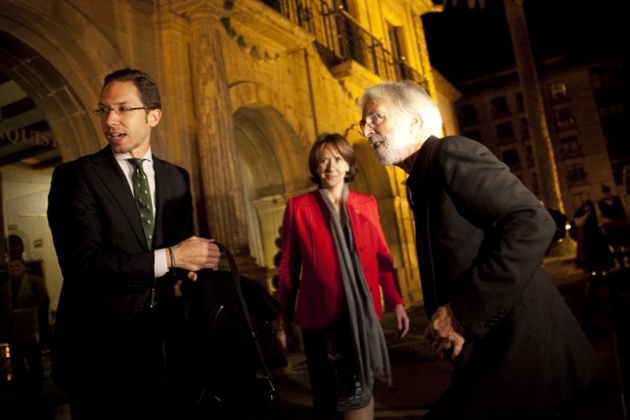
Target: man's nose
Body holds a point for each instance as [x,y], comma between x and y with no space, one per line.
[111,117]
[367,131]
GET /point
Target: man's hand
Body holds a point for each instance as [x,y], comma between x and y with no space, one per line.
[445,332]
[196,253]
[402,320]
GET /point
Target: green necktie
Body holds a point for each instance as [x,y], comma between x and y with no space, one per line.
[142,193]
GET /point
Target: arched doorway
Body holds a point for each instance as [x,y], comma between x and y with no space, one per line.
[267,160]
[39,112]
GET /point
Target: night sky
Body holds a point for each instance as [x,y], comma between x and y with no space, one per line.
[465,43]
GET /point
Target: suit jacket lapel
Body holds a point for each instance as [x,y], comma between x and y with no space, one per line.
[107,168]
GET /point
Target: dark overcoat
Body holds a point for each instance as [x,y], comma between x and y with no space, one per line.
[481,238]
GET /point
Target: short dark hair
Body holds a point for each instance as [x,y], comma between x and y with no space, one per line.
[147,88]
[344,148]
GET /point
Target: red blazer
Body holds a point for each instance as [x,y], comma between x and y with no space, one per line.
[308,250]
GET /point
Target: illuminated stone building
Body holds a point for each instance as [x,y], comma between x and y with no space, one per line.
[247,86]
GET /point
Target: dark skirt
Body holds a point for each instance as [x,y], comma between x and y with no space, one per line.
[332,368]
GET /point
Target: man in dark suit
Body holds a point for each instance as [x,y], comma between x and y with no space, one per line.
[120,283]
[517,350]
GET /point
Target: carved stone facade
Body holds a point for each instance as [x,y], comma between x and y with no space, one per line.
[247,86]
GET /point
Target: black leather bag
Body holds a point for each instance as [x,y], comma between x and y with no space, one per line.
[228,340]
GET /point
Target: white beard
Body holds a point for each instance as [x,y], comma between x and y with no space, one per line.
[385,154]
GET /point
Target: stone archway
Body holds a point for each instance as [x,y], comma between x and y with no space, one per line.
[72,133]
[72,129]
[58,56]
[261,135]
[41,54]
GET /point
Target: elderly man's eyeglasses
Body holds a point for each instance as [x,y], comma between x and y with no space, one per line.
[102,112]
[371,120]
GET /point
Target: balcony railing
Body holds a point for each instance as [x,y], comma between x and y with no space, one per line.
[342,38]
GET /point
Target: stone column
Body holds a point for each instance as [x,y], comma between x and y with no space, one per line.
[219,167]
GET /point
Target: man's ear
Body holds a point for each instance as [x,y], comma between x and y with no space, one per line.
[154,117]
[416,124]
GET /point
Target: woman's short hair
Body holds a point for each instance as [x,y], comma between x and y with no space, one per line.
[342,145]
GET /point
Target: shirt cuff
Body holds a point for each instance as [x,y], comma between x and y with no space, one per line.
[160,266]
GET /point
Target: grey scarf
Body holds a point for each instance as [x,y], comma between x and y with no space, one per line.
[370,348]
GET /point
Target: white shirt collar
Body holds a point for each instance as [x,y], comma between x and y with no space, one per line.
[124,156]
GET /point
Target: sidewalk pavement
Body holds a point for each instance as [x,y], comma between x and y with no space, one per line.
[419,378]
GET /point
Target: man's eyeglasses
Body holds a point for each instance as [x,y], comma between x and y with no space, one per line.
[100,112]
[373,120]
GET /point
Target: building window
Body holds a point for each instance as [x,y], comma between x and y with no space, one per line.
[396,42]
[467,114]
[570,147]
[564,118]
[575,174]
[611,109]
[505,132]
[510,157]
[604,77]
[499,106]
[558,91]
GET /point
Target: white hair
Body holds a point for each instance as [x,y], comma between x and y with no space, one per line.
[409,97]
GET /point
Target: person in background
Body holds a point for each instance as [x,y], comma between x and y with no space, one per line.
[615,224]
[517,350]
[593,254]
[120,281]
[26,329]
[334,255]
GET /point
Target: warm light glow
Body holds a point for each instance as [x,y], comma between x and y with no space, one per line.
[5,357]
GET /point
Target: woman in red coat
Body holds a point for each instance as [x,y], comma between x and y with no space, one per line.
[334,252]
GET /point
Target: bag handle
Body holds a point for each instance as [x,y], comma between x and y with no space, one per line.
[274,397]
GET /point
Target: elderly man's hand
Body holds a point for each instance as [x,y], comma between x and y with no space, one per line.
[444,332]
